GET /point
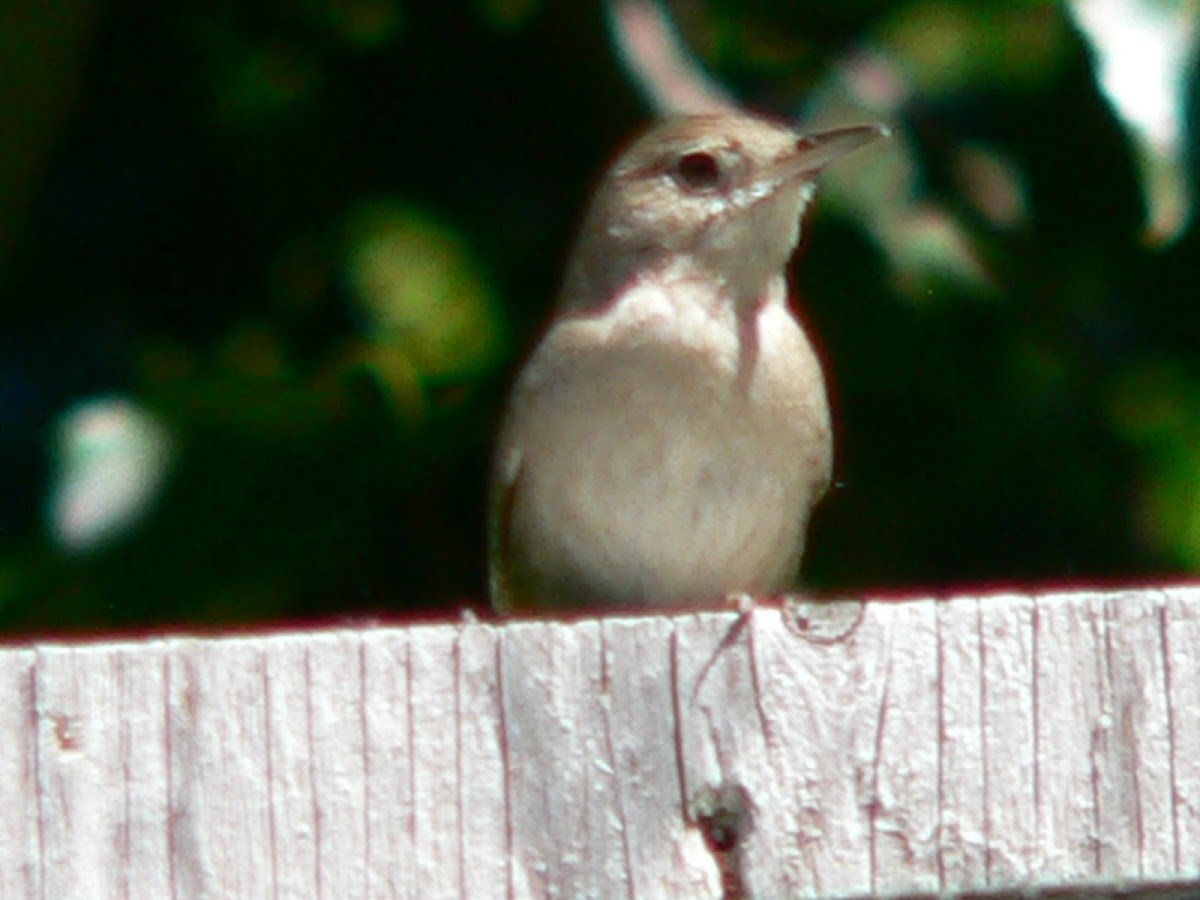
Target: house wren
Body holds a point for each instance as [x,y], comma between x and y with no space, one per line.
[669,436]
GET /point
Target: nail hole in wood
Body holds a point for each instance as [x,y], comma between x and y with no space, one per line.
[723,816]
[821,621]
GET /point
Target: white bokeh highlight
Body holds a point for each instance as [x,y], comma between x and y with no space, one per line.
[111,459]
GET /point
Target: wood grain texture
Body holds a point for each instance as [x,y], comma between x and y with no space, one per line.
[917,747]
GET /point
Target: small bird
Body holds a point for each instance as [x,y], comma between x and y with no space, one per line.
[668,438]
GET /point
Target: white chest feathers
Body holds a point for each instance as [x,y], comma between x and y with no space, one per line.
[664,450]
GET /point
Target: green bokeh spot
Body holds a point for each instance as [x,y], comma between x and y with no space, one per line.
[422,292]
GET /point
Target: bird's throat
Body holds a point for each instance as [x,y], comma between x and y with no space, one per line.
[748,345]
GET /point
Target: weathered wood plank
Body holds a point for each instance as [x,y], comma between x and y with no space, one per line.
[1179,621]
[102,790]
[904,794]
[329,755]
[21,855]
[390,860]
[226,819]
[1008,647]
[483,853]
[1137,793]
[1071,693]
[437,820]
[919,747]
[562,792]
[640,729]
[962,809]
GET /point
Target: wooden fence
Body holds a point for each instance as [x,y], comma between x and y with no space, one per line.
[996,744]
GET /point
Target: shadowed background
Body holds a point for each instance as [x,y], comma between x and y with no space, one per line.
[265,271]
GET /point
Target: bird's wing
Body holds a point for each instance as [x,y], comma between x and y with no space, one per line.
[506,482]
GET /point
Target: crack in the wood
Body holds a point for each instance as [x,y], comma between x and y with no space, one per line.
[1104,686]
[764,721]
[768,733]
[365,740]
[1128,733]
[458,760]
[940,682]
[126,745]
[265,681]
[985,786]
[583,750]
[721,813]
[1165,645]
[1137,799]
[34,721]
[506,761]
[1035,687]
[875,803]
[169,766]
[410,756]
[730,638]
[614,769]
[191,770]
[677,713]
[313,780]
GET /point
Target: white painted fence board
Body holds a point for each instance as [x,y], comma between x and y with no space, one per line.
[332,676]
[562,788]
[289,761]
[1137,793]
[390,860]
[20,816]
[1180,623]
[481,783]
[1007,646]
[141,760]
[436,838]
[904,810]
[963,823]
[224,825]
[888,747]
[640,729]
[101,781]
[722,738]
[1071,720]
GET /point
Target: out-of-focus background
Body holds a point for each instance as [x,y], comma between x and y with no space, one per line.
[265,270]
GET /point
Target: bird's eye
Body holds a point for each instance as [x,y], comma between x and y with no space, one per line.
[698,170]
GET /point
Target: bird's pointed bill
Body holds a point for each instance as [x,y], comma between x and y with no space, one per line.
[815,151]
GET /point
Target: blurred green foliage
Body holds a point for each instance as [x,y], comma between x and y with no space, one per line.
[309,242]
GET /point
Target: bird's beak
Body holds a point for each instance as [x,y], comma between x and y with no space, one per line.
[815,151]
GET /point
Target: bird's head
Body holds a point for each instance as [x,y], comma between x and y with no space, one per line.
[723,194]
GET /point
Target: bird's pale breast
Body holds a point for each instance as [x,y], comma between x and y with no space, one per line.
[661,458]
